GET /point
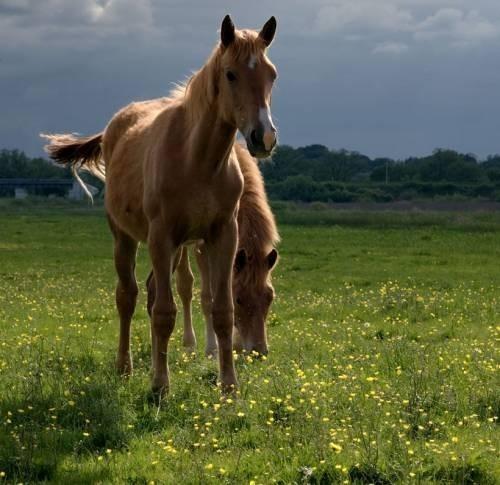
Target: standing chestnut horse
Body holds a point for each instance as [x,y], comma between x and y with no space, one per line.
[252,289]
[172,177]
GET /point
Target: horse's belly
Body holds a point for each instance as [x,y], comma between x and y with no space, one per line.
[127,213]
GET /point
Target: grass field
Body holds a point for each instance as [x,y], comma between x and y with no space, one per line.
[383,364]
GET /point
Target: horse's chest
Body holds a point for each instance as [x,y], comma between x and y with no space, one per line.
[205,205]
[208,204]
[193,203]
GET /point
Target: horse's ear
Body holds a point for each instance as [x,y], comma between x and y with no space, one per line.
[268,31]
[241,260]
[272,257]
[227,31]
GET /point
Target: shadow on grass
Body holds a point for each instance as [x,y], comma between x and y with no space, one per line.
[366,473]
[466,474]
[53,415]
[321,476]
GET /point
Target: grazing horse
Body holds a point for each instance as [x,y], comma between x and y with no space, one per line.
[256,257]
[172,177]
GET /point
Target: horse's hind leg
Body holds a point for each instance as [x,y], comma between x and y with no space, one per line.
[126,294]
[151,290]
[185,280]
[206,302]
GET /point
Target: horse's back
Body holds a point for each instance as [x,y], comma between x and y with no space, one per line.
[132,119]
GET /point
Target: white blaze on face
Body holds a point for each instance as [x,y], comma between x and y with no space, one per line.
[269,137]
[252,62]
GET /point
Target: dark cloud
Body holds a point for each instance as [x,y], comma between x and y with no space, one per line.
[392,77]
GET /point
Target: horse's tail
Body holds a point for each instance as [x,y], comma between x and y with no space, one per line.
[77,153]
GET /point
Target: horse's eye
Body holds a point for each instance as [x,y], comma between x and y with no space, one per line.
[230,76]
[238,301]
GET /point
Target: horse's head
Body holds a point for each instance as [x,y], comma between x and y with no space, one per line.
[245,84]
[253,295]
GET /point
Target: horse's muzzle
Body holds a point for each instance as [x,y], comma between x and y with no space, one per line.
[260,144]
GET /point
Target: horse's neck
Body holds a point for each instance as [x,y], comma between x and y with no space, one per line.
[211,140]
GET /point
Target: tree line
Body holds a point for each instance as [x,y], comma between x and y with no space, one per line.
[16,164]
[316,173]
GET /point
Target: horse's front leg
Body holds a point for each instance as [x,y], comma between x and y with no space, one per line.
[163,253]
[221,251]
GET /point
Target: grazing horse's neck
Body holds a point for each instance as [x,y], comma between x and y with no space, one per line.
[212,140]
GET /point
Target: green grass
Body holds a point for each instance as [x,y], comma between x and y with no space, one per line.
[383,364]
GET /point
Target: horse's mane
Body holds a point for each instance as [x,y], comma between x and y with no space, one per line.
[200,91]
[257,229]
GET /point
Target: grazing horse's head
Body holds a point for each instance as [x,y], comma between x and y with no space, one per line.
[253,295]
[246,77]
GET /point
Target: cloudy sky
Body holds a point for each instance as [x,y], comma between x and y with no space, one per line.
[384,77]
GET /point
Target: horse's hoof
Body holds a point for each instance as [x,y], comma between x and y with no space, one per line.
[190,348]
[158,394]
[124,367]
[229,389]
[211,353]
[159,387]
